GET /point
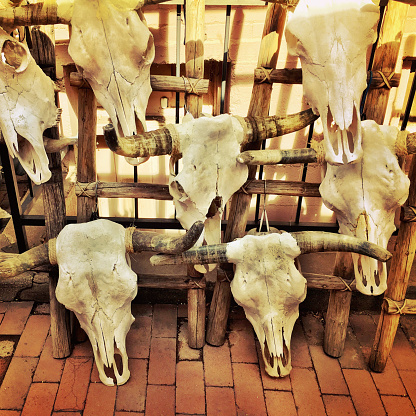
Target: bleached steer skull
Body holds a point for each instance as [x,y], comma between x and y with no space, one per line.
[113,49]
[331,38]
[267,284]
[27,107]
[210,173]
[208,147]
[365,196]
[96,282]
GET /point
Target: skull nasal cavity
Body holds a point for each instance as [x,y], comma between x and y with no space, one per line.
[13,53]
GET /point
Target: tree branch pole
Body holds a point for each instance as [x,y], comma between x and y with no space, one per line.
[385,59]
[43,51]
[259,106]
[194,68]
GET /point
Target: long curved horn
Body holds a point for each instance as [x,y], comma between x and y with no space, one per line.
[261,128]
[273,157]
[216,253]
[35,257]
[150,241]
[316,241]
[152,143]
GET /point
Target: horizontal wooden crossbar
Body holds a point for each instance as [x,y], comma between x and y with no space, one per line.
[161,192]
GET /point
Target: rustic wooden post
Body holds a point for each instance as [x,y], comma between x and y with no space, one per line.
[86,164]
[53,198]
[194,68]
[398,279]
[259,106]
[385,60]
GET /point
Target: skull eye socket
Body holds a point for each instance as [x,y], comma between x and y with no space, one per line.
[14,55]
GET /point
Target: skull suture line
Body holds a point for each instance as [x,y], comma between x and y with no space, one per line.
[210,173]
[267,284]
[97,284]
[113,49]
[331,38]
[27,107]
[365,196]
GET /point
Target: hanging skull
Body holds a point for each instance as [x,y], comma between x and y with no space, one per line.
[27,107]
[113,49]
[365,196]
[267,284]
[331,38]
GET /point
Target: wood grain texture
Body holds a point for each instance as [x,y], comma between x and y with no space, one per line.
[43,52]
[86,164]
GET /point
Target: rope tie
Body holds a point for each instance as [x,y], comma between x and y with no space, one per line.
[243,188]
[81,190]
[191,85]
[318,146]
[347,286]
[266,73]
[198,283]
[396,304]
[385,79]
[52,251]
[400,147]
[129,239]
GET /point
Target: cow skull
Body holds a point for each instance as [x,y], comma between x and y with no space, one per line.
[113,49]
[331,38]
[210,173]
[267,284]
[96,282]
[27,107]
[365,196]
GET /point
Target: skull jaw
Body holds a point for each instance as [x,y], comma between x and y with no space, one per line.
[274,336]
[103,337]
[342,138]
[370,275]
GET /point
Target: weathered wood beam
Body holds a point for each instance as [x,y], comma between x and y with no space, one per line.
[273,29]
[294,76]
[169,282]
[158,83]
[161,192]
[50,12]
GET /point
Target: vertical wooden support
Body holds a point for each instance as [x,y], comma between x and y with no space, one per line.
[400,267]
[259,106]
[385,60]
[86,170]
[194,68]
[338,308]
[53,198]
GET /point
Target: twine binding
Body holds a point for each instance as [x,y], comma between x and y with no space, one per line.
[191,85]
[399,310]
[267,75]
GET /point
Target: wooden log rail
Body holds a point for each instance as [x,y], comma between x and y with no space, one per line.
[294,76]
[158,83]
[161,192]
[407,306]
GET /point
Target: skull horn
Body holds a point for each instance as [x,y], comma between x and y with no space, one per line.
[261,128]
[308,242]
[160,142]
[152,143]
[150,241]
[317,241]
[216,253]
[35,257]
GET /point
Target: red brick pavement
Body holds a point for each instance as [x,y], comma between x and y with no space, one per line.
[226,380]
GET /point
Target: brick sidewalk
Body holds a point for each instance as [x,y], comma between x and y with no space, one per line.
[168,378]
